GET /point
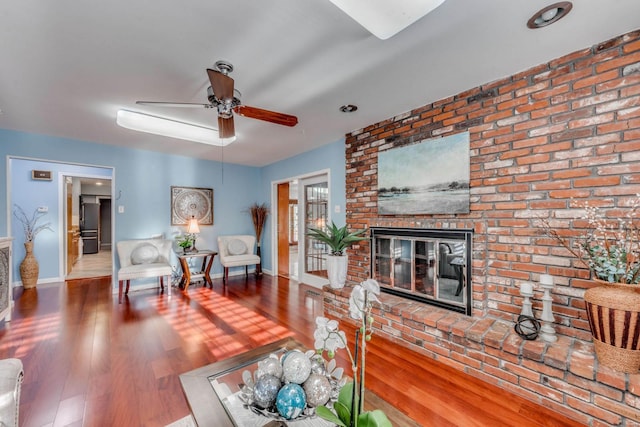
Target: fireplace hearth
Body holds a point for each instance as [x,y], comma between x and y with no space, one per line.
[426,265]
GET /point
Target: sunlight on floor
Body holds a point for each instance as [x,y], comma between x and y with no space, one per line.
[241,329]
[47,326]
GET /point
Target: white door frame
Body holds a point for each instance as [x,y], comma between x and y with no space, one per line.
[308,279]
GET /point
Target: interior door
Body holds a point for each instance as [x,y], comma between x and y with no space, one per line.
[313,208]
[71,238]
[283,229]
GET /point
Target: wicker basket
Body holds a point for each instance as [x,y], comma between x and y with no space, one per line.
[614,317]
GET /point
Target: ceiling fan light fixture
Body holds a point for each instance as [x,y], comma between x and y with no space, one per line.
[386,18]
[172,128]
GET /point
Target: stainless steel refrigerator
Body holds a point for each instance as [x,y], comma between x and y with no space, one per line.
[89,220]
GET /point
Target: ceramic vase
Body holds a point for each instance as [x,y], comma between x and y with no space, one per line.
[613,310]
[29,268]
[337,270]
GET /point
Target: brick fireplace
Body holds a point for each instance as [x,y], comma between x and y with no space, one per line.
[542,142]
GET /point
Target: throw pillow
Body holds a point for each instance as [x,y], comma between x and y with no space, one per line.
[145,253]
[236,247]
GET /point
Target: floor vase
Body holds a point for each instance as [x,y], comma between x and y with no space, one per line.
[29,268]
[613,310]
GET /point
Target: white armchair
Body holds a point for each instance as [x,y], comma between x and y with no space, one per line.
[11,375]
[143,258]
[237,251]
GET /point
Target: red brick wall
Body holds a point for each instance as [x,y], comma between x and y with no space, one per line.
[542,142]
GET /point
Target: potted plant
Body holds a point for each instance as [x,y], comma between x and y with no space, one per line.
[348,409]
[29,268]
[338,239]
[186,242]
[610,248]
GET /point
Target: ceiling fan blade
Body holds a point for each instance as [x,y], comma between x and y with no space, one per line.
[266,115]
[226,128]
[174,104]
[221,84]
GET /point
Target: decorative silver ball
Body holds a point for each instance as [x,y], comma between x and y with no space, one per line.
[287,354]
[269,366]
[296,368]
[266,390]
[318,365]
[318,390]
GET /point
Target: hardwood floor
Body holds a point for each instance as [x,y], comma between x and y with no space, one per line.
[90,361]
[92,265]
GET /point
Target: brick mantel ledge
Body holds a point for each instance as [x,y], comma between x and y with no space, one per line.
[564,376]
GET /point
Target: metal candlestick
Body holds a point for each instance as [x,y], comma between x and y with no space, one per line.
[547,331]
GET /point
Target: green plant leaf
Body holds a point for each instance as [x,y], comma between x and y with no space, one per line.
[344,413]
[345,395]
[326,413]
[338,239]
[375,418]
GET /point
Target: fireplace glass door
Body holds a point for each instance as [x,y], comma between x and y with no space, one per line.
[423,268]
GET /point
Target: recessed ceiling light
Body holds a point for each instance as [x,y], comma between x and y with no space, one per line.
[349,108]
[549,14]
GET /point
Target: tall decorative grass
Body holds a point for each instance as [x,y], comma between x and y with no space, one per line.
[259,213]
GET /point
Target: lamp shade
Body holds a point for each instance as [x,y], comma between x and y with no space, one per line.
[193,227]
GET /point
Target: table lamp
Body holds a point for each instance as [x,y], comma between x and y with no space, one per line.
[193,228]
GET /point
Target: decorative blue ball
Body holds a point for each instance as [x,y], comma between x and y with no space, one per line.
[291,401]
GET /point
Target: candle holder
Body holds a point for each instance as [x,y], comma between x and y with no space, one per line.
[526,290]
[527,326]
[547,331]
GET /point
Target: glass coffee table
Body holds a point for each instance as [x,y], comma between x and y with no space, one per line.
[212,392]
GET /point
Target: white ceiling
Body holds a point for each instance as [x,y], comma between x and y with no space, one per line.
[68,65]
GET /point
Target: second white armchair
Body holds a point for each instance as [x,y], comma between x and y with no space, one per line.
[237,251]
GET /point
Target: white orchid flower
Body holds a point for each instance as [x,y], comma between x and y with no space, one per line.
[327,336]
[357,304]
[371,286]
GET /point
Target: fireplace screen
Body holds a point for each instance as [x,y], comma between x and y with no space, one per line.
[425,265]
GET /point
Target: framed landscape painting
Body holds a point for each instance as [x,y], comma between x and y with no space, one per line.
[430,177]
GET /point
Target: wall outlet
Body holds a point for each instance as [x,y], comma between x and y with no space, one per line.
[43,209]
[120,209]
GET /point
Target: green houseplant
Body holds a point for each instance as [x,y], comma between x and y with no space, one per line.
[186,242]
[338,239]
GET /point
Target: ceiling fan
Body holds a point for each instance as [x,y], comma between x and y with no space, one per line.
[226,100]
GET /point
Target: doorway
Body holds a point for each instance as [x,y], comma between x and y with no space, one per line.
[301,203]
[89,227]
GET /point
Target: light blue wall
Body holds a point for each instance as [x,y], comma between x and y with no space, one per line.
[329,157]
[30,195]
[142,180]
